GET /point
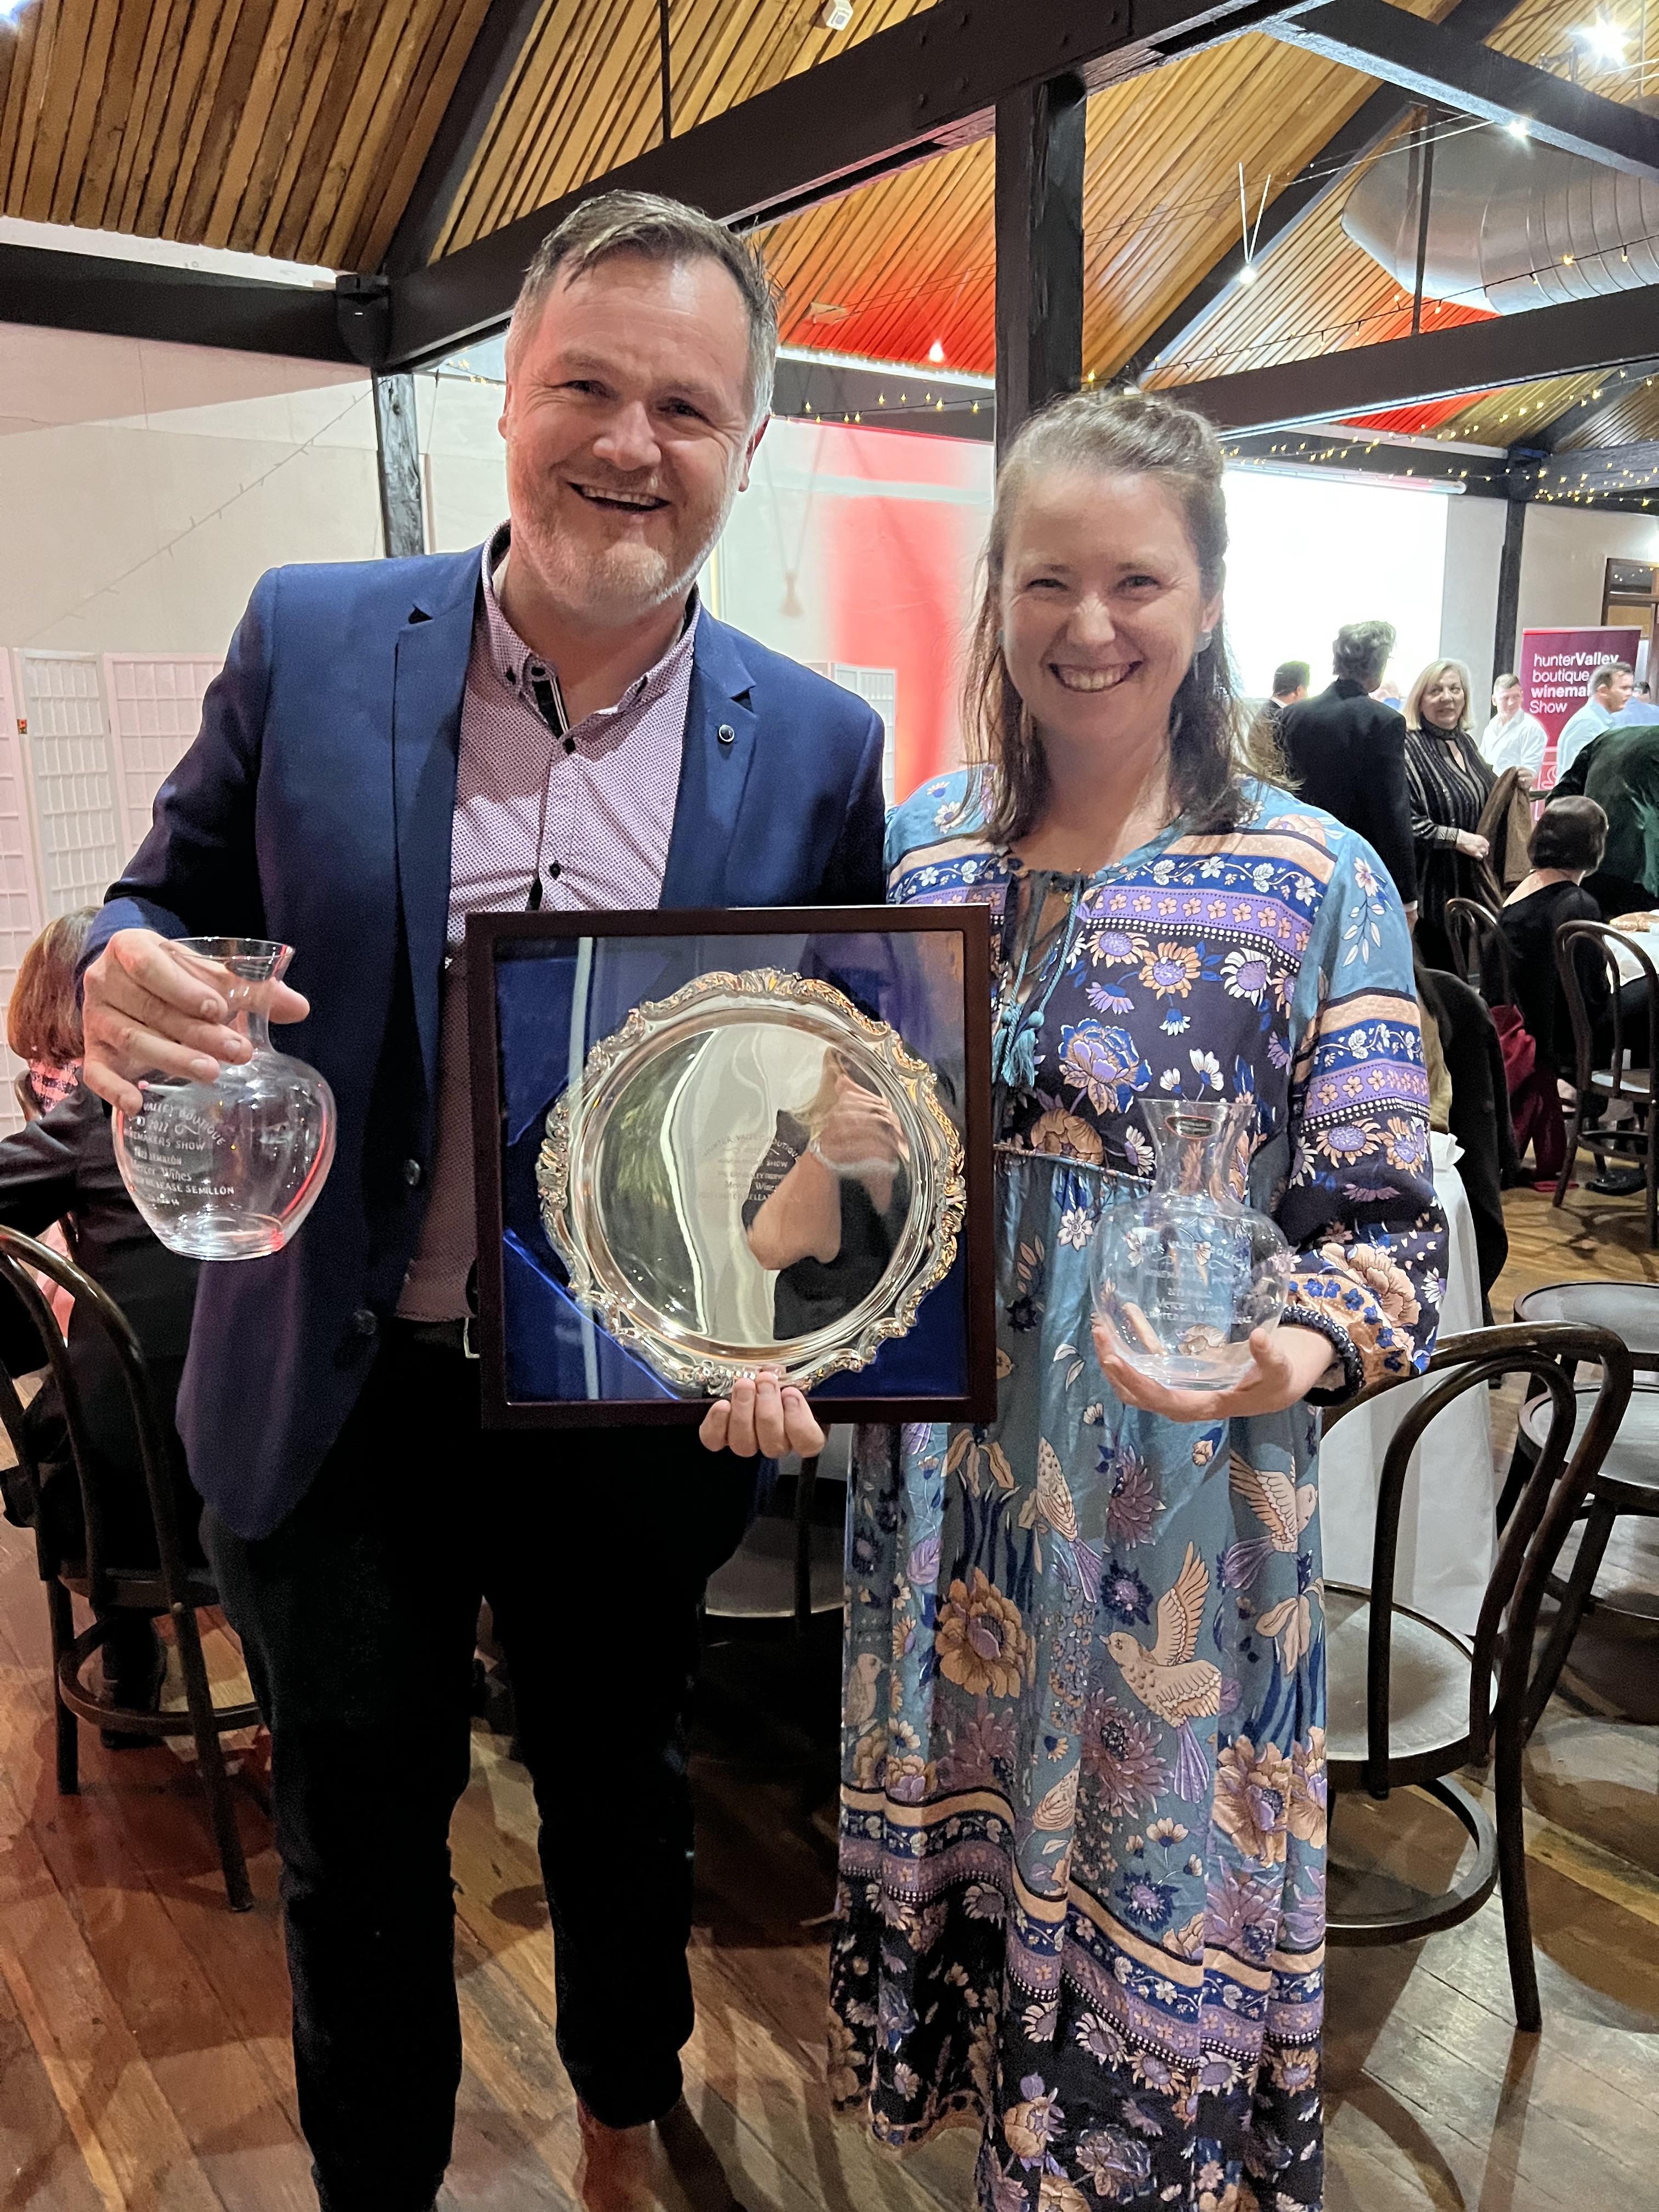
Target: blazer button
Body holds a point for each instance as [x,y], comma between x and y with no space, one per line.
[414,1174]
[726,734]
[363,1322]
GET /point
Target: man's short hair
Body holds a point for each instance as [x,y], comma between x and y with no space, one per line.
[1570,833]
[661,230]
[1361,652]
[1606,674]
[1290,676]
[1508,680]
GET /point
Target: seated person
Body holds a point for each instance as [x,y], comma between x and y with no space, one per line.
[828,1202]
[1567,844]
[62,1169]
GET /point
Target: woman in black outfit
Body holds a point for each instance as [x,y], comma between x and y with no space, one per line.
[61,1168]
[1449,784]
[1566,845]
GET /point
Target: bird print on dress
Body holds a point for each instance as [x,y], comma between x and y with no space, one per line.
[1172,1684]
[1283,1508]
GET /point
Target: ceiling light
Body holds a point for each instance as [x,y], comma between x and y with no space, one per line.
[835,14]
[1606,40]
[1516,126]
[1246,274]
[936,351]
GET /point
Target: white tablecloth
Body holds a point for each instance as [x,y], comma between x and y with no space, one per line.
[1447,1534]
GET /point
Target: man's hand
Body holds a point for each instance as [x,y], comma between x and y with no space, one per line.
[762,1415]
[150,1008]
[1286,1364]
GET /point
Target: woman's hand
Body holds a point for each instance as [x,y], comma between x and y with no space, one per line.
[1471,842]
[861,1134]
[1286,1364]
[762,1415]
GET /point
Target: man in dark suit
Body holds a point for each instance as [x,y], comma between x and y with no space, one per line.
[550,720]
[1347,753]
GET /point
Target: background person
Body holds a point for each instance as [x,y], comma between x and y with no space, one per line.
[1346,753]
[1166,929]
[1449,784]
[60,1171]
[550,719]
[1606,703]
[827,1202]
[1513,739]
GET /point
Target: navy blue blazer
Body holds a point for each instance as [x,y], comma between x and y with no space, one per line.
[315,807]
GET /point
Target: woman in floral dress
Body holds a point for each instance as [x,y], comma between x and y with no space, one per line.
[1083,1801]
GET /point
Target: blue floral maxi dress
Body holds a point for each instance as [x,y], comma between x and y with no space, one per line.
[1083,1802]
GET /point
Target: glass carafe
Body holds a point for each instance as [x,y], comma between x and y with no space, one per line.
[1185,1278]
[228,1170]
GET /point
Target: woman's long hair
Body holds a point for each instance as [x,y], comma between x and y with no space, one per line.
[43,1019]
[1113,434]
[1412,709]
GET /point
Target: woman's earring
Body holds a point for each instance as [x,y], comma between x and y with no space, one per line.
[1203,645]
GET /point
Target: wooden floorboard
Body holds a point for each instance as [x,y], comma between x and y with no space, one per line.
[145,2063]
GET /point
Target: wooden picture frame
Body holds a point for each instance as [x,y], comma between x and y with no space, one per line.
[494,939]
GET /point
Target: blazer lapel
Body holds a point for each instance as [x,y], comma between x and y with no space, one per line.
[714,764]
[429,686]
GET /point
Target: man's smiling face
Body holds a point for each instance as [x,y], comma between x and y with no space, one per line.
[628,433]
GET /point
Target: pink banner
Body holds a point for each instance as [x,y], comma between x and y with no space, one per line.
[1556,667]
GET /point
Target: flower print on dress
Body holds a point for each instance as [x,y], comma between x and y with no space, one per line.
[1118,2165]
[1133,1510]
[1406,1143]
[1252,1798]
[1148,1903]
[1108,1002]
[1103,1065]
[1169,970]
[1124,1595]
[1066,1135]
[981,1640]
[1120,1754]
[1031,2125]
[1246,974]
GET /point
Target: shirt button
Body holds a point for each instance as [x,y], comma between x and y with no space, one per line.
[363,1322]
[570,744]
[554,872]
[413,1173]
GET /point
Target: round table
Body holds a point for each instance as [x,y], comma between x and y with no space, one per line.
[1447,1529]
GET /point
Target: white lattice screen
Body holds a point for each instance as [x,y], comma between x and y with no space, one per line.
[71,774]
[20,890]
[878,688]
[155,710]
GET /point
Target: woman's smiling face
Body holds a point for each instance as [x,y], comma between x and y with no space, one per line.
[1103,605]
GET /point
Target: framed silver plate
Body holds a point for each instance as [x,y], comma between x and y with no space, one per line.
[752,1172]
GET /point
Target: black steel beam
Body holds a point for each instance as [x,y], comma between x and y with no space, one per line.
[151,300]
[1626,469]
[891,399]
[918,88]
[1567,340]
[1366,130]
[1040,141]
[1432,62]
[1364,453]
[1506,629]
[503,37]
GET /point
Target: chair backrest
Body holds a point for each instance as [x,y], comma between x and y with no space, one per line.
[21,1258]
[1538,1522]
[1481,952]
[1573,939]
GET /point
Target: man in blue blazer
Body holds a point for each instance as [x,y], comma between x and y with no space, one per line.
[551,719]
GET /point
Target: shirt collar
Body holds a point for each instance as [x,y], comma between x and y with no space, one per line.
[512,656]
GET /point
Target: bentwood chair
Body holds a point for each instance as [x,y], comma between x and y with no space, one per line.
[170,1586]
[1409,1702]
[1614,1084]
[1481,952]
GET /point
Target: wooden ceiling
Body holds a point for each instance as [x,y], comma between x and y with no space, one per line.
[297,129]
[292,128]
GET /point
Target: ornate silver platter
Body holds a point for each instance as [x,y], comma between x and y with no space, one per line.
[752,1173]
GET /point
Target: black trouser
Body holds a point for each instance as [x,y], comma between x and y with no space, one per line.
[357,1617]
